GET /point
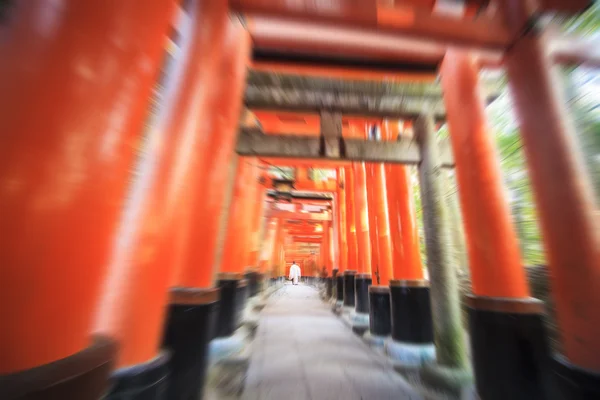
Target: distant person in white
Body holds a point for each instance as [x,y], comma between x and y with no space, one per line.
[294,273]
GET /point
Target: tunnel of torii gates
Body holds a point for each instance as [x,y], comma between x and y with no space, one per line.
[139,217]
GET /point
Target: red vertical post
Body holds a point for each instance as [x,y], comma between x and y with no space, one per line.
[494,259]
[564,198]
[65,167]
[361,212]
[142,269]
[500,302]
[209,165]
[351,220]
[342,220]
[372,207]
[402,215]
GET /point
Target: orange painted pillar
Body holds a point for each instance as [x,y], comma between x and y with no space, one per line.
[326,249]
[342,220]
[404,235]
[564,198]
[498,278]
[385,265]
[267,247]
[147,256]
[369,167]
[351,220]
[236,250]
[495,262]
[274,257]
[235,253]
[210,163]
[64,169]
[257,218]
[361,212]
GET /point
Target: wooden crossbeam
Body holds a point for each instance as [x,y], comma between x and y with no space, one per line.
[252,142]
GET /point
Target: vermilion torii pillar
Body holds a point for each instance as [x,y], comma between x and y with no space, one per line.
[381,268]
[165,254]
[193,296]
[411,329]
[235,253]
[568,215]
[72,103]
[369,167]
[350,273]
[253,274]
[500,302]
[343,235]
[361,212]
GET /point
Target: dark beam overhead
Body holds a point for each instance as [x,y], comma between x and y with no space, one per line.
[252,142]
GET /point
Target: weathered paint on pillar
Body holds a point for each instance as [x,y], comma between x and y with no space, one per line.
[494,256]
[564,198]
[361,212]
[342,220]
[72,104]
[208,181]
[404,233]
[351,220]
[150,251]
[445,302]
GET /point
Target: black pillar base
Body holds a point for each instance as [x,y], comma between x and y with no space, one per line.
[82,376]
[190,327]
[328,287]
[361,288]
[241,298]
[380,320]
[349,298]
[253,279]
[227,315]
[147,381]
[340,287]
[573,383]
[509,347]
[410,308]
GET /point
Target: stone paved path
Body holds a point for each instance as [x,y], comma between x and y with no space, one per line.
[303,351]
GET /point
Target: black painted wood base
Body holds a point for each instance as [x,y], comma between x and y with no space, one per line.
[571,382]
[380,319]
[410,308]
[253,279]
[228,309]
[147,381]
[340,287]
[189,329]
[349,298]
[82,376]
[328,287]
[241,298]
[509,348]
[361,290]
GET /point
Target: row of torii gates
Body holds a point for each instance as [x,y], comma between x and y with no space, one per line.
[128,221]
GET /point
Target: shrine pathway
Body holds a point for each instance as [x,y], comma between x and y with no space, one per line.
[304,351]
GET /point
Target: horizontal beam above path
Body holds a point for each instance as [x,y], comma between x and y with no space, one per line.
[384,106]
[298,215]
[252,142]
[402,21]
